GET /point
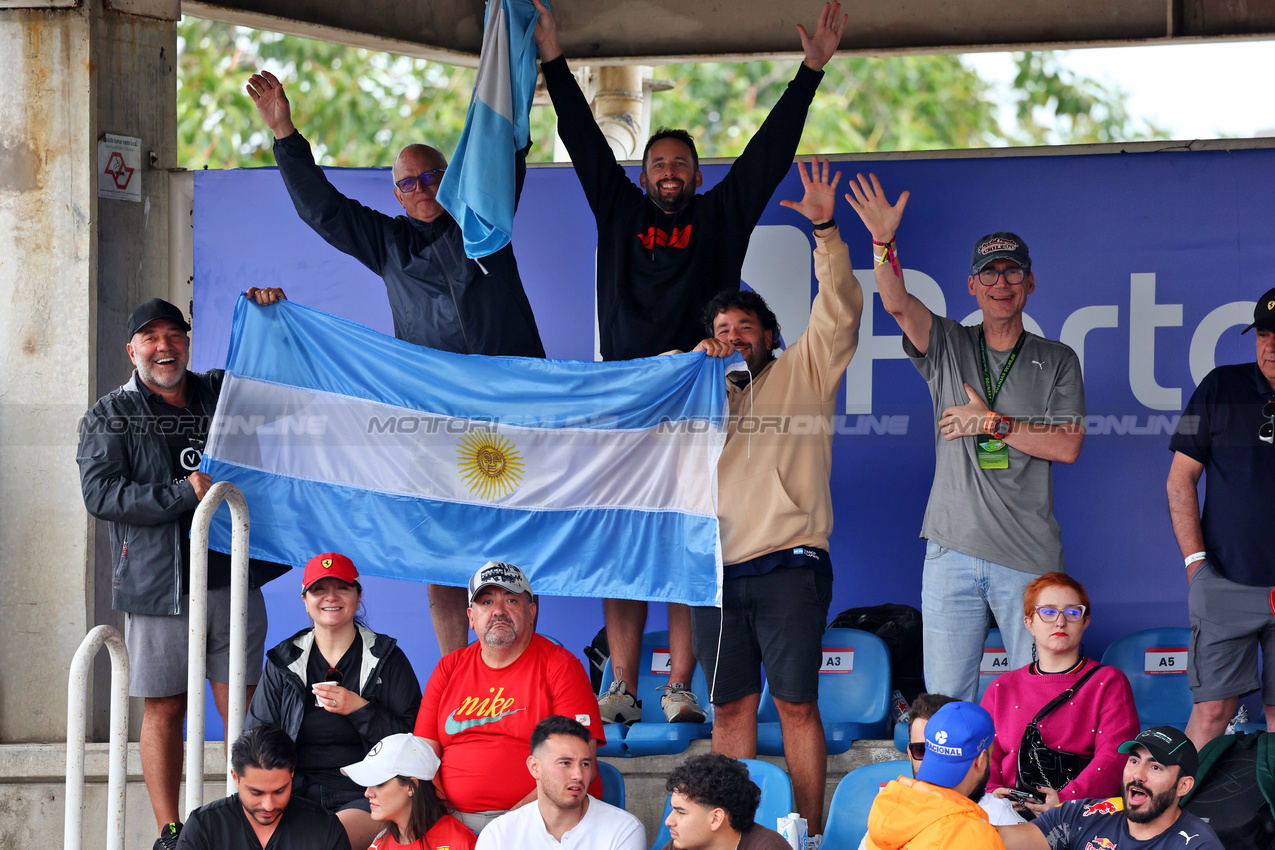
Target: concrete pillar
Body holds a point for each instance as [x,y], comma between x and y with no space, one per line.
[71,266]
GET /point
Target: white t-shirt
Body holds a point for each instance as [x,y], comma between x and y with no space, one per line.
[603,827]
[999,811]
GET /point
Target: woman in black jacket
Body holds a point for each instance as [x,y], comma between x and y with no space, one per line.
[337,689]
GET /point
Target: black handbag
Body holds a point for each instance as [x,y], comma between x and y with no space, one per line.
[1039,764]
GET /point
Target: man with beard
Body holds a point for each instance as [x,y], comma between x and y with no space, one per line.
[562,761]
[483,702]
[263,813]
[1160,771]
[663,252]
[939,808]
[139,455]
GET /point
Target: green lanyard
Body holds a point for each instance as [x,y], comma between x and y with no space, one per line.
[987,372]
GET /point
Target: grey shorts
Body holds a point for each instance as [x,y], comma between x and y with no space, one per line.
[776,620]
[157,645]
[1229,622]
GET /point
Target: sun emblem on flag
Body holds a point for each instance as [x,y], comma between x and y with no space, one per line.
[490,464]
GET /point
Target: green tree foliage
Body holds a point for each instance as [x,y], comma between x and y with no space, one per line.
[359,107]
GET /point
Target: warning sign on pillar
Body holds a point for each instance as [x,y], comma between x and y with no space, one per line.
[119,168]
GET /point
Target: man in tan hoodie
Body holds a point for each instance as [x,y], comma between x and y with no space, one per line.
[775,506]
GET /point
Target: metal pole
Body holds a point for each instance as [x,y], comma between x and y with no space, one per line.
[198,633]
[76,727]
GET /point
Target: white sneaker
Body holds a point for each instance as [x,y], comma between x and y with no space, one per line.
[813,842]
[679,704]
[617,705]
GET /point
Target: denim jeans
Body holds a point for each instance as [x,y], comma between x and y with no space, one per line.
[957,594]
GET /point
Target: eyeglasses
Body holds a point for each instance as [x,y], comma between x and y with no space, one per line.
[334,675]
[1073,613]
[408,184]
[1014,275]
[1266,433]
[916,750]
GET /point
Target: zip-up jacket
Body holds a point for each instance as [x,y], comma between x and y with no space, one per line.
[386,681]
[439,297]
[656,270]
[126,477]
[920,816]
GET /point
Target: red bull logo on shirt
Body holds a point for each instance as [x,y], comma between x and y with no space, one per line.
[1103,807]
[1101,844]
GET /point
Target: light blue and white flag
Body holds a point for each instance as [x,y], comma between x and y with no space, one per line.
[598,479]
[478,188]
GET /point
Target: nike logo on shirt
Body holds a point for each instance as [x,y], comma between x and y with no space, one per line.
[454,727]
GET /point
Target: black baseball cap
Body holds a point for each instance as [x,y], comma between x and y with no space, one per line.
[156,308]
[1263,313]
[1166,745]
[1001,245]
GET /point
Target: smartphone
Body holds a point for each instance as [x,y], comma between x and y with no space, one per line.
[1026,796]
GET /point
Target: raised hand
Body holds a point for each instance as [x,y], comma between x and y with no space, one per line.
[267,94]
[868,199]
[546,33]
[820,46]
[821,191]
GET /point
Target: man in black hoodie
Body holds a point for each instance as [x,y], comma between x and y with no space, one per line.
[664,251]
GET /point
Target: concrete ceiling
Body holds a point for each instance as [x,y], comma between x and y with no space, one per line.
[663,31]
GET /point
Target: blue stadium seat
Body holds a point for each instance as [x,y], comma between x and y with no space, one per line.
[653,735]
[776,798]
[994,662]
[854,694]
[1155,662]
[612,784]
[901,736]
[848,812]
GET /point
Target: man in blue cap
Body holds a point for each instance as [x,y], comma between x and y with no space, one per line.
[939,808]
[1148,814]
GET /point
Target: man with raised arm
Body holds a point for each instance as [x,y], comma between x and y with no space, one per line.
[439,297]
[1148,814]
[1007,405]
[664,250]
[774,506]
[139,455]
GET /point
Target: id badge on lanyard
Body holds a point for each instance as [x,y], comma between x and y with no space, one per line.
[993,453]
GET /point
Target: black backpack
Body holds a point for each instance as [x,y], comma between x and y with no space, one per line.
[1233,790]
[900,627]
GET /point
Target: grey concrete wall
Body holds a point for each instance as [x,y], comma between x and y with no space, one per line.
[70,267]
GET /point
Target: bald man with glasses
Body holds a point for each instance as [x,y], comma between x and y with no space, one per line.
[439,298]
[1008,404]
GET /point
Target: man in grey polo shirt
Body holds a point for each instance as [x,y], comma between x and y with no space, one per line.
[1007,404]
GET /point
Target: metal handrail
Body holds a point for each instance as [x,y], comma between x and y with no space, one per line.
[198,663]
[77,727]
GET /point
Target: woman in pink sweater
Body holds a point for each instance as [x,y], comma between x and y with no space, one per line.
[1099,717]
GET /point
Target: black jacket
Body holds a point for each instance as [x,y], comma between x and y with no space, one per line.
[656,270]
[386,681]
[439,297]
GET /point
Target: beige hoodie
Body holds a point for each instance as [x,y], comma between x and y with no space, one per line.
[773,491]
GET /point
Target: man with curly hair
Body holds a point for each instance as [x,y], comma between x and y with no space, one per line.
[713,803]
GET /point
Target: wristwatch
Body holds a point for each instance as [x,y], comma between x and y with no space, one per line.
[998,425]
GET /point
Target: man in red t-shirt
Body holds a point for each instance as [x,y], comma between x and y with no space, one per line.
[482,702]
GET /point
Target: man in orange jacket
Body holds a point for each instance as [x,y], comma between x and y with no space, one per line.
[939,809]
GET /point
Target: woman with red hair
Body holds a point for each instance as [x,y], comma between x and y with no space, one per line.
[1090,724]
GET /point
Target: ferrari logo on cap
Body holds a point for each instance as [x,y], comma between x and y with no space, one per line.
[327,563]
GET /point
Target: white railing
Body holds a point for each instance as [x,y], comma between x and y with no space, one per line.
[77,727]
[198,664]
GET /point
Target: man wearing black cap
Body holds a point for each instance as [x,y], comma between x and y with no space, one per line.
[1226,429]
[139,453]
[1007,405]
[1160,771]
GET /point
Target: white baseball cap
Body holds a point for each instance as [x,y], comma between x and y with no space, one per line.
[403,754]
[498,574]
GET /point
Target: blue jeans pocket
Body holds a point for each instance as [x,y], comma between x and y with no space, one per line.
[934,550]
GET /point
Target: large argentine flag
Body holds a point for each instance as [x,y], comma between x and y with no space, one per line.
[598,479]
[478,188]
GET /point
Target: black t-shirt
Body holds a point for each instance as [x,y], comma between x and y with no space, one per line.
[1219,429]
[326,742]
[186,431]
[1081,824]
[222,825]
